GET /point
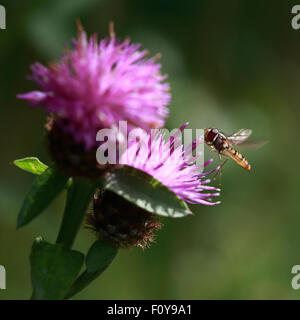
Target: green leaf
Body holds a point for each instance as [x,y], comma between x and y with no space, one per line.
[43,190]
[146,192]
[99,257]
[31,164]
[53,269]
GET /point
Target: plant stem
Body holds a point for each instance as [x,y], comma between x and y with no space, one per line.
[78,199]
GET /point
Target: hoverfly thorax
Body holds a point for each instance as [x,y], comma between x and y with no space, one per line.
[214,138]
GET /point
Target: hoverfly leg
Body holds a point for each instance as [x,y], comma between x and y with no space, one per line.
[220,169]
[219,172]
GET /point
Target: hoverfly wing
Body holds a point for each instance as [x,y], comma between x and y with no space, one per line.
[252,144]
[240,136]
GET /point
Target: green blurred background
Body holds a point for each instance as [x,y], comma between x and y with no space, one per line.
[231,64]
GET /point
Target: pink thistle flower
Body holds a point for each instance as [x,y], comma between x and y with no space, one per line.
[98,84]
[173,166]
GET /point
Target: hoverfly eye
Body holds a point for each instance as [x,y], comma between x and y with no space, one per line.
[211,134]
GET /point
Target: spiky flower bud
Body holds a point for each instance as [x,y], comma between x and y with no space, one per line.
[121,222]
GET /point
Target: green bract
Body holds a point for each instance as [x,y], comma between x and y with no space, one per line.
[146,192]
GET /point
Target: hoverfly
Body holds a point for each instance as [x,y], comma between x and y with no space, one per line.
[224,145]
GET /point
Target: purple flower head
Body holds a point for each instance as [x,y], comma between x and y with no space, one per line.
[173,166]
[96,85]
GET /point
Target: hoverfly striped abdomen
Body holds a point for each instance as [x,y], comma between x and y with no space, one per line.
[237,157]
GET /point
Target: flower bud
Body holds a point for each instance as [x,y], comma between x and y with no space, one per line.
[121,222]
[70,157]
